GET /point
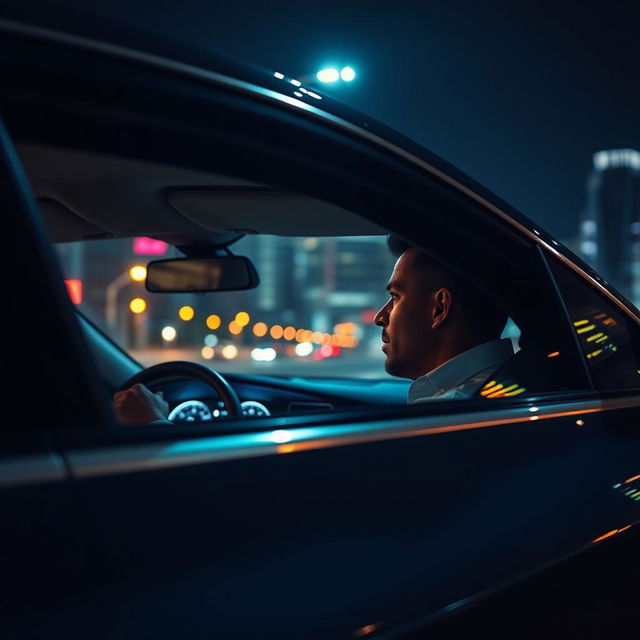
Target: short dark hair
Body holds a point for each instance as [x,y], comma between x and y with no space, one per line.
[475,302]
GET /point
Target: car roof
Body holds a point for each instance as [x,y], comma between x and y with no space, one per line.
[122,40]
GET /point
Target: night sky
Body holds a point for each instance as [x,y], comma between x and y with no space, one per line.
[516,94]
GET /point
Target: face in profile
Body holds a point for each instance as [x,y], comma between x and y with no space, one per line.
[408,319]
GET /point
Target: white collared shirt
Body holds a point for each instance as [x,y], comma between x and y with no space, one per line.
[463,375]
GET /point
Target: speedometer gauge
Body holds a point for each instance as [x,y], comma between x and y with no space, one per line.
[191,411]
[253,409]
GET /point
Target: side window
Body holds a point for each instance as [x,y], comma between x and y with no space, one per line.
[608,338]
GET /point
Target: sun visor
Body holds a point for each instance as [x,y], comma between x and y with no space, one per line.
[269,212]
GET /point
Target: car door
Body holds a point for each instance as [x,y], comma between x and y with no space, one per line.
[358,523]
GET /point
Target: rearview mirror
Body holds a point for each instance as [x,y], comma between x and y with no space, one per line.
[181,275]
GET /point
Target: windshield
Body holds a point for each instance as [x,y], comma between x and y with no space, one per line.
[311,315]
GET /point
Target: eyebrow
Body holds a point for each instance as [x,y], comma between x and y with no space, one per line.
[394,284]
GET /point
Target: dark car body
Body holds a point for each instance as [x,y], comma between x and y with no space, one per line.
[510,519]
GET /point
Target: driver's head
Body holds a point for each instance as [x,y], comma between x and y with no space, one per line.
[432,315]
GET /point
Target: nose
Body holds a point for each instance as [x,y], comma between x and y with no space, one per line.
[381,318]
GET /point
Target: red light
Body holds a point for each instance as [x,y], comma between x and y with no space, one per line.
[326,351]
[74,289]
[149,247]
[368,315]
[335,351]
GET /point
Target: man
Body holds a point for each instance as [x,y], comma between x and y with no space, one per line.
[438,330]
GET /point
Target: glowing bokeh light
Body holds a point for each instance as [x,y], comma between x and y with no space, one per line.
[186,313]
[347,74]
[304,349]
[230,351]
[242,318]
[213,322]
[235,328]
[289,333]
[169,334]
[208,353]
[137,305]
[138,273]
[276,332]
[259,329]
[211,340]
[328,75]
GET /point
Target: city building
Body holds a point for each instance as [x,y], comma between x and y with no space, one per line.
[610,228]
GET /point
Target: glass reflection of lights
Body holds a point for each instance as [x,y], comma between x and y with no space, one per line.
[613,532]
[298,94]
[295,83]
[533,409]
[580,423]
[279,75]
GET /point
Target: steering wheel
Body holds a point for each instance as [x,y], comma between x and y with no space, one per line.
[178,369]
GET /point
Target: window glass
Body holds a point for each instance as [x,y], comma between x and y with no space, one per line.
[312,313]
[607,337]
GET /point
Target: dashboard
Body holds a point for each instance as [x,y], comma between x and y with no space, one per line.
[192,401]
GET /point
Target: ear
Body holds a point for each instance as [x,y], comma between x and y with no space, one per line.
[441,307]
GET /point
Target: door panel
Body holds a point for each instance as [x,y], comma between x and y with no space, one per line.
[321,543]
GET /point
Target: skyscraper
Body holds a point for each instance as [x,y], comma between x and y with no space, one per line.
[610,229]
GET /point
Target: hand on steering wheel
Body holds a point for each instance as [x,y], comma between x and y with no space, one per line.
[144,406]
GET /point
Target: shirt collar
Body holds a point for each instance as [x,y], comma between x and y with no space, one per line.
[460,368]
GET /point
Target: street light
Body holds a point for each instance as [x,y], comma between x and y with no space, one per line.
[113,289]
[331,74]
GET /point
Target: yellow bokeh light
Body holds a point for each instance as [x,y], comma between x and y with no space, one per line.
[138,273]
[235,328]
[276,332]
[326,339]
[242,318]
[300,333]
[186,313]
[259,329]
[213,321]
[137,305]
[289,333]
[230,351]
[207,353]
[316,337]
[306,336]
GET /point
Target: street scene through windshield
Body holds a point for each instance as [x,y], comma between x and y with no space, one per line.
[312,313]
